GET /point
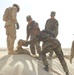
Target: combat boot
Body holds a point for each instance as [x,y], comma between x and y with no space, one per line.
[12,52]
[15,53]
[67,73]
[46,68]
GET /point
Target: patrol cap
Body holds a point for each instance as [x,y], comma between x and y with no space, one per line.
[28,18]
[17,6]
[53,13]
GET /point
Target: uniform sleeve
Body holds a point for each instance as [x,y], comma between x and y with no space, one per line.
[28,33]
[37,26]
[56,28]
[36,29]
[14,14]
[33,41]
[46,25]
[56,23]
[5,15]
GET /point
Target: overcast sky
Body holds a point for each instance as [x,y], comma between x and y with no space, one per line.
[40,12]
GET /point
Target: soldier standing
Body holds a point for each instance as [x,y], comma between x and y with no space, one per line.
[11,25]
[52,25]
[32,30]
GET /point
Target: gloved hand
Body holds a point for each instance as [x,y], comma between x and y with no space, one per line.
[17,26]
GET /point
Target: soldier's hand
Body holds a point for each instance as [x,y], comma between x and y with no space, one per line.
[26,43]
[17,26]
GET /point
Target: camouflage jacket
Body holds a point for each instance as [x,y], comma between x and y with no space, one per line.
[32,29]
[47,39]
[52,25]
[10,15]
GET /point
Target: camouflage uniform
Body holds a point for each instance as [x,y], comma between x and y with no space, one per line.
[20,50]
[72,52]
[52,25]
[32,30]
[50,43]
[10,20]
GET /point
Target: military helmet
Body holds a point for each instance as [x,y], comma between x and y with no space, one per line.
[53,13]
[17,6]
[28,17]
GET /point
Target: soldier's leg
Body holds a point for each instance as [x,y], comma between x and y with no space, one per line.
[11,46]
[11,31]
[8,43]
[32,48]
[60,56]
[44,59]
[8,38]
[50,54]
[45,62]
[71,57]
[38,48]
[72,52]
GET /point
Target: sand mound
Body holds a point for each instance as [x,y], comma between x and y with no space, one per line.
[27,65]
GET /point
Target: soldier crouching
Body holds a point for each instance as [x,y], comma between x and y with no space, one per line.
[50,43]
[20,50]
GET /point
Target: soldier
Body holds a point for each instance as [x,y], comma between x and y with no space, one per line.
[49,43]
[32,30]
[20,50]
[52,24]
[11,25]
[72,52]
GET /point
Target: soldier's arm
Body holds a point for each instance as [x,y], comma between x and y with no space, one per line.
[28,34]
[5,14]
[26,43]
[56,28]
[27,37]
[46,25]
[33,41]
[14,15]
[56,24]
[36,28]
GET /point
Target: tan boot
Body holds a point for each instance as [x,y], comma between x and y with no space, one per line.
[15,53]
[12,53]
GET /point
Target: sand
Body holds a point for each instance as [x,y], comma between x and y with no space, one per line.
[26,65]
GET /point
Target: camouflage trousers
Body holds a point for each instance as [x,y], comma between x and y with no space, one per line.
[72,52]
[36,46]
[58,52]
[11,36]
[20,50]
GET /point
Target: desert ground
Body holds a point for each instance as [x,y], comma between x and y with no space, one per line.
[23,64]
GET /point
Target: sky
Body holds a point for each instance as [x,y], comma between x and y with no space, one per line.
[40,11]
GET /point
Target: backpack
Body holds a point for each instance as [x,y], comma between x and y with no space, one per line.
[7,14]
